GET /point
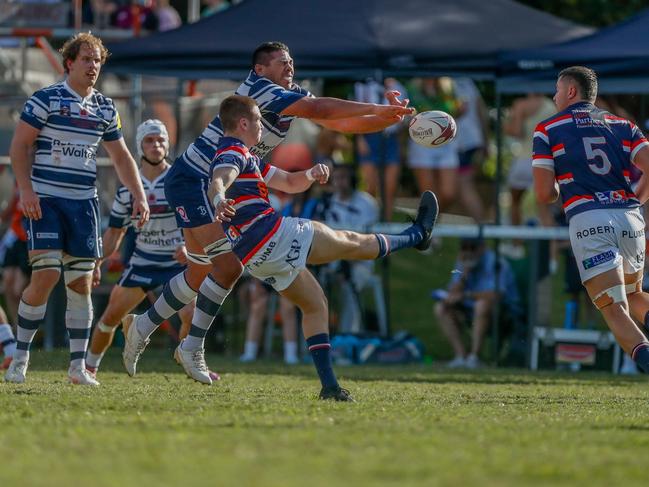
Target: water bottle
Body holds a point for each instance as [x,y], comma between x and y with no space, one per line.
[570,319]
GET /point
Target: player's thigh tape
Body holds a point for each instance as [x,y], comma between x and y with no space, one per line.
[615,294]
[51,260]
[200,259]
[634,287]
[217,248]
[76,267]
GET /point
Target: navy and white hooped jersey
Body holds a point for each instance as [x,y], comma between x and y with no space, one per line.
[255,220]
[272,99]
[590,152]
[158,239]
[71,129]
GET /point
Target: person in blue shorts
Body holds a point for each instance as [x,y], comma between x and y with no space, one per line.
[158,253]
[53,155]
[276,249]
[212,268]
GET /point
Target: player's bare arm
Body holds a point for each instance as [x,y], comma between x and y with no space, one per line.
[299,181]
[127,173]
[222,179]
[545,186]
[20,153]
[368,123]
[325,108]
[641,160]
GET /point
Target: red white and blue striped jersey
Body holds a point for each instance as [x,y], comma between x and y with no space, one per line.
[272,99]
[255,220]
[70,130]
[591,152]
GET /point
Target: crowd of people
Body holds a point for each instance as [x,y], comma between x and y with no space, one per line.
[141,16]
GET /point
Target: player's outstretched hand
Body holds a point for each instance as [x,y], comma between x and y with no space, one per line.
[140,212]
[181,255]
[30,204]
[391,111]
[319,172]
[393,99]
[224,210]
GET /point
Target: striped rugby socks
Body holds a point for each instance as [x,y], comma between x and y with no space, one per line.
[175,295]
[29,319]
[410,237]
[209,301]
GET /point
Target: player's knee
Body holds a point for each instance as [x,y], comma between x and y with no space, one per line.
[46,268]
[226,270]
[76,270]
[614,295]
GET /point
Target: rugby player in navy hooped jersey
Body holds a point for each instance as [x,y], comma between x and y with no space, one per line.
[277,249]
[159,251]
[213,269]
[584,154]
[65,123]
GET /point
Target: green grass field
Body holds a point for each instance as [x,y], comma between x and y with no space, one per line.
[262,426]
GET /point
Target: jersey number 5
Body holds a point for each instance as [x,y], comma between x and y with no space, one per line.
[600,163]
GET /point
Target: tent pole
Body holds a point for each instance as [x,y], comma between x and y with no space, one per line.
[497,270]
[385,262]
[193,11]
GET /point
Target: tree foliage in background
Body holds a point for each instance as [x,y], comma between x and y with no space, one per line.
[596,13]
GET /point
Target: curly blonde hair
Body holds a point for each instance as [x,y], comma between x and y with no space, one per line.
[72,46]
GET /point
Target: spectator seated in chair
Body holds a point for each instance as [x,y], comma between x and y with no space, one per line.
[471,297]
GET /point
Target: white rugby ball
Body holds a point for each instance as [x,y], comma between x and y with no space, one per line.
[432,129]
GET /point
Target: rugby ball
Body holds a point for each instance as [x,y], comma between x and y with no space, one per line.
[432,129]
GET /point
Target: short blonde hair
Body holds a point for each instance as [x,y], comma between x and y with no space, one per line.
[72,46]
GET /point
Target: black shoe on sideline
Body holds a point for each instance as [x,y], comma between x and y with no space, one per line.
[426,217]
[336,393]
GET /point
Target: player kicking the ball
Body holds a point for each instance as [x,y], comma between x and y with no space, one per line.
[585,154]
[277,249]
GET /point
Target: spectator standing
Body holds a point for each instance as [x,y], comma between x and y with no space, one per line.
[380,151]
[435,169]
[473,142]
[525,113]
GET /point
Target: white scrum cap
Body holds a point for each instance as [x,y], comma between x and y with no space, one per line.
[150,127]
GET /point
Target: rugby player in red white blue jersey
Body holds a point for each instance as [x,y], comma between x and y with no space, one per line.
[584,154]
[276,249]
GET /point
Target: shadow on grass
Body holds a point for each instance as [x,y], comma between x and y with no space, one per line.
[161,362]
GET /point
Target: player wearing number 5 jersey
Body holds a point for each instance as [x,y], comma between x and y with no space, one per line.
[585,155]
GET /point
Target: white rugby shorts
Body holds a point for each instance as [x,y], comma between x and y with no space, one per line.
[442,157]
[605,239]
[284,255]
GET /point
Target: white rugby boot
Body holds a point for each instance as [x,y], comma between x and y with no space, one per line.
[193,361]
[17,371]
[81,376]
[134,344]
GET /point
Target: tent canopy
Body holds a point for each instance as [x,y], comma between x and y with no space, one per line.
[347,38]
[619,54]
